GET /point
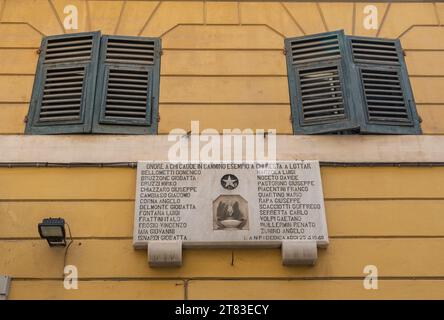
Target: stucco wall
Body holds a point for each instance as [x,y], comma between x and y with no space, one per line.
[223,64]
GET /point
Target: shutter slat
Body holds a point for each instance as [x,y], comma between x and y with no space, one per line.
[323,105]
[118,80]
[321,89]
[64,84]
[370,101]
[73,112]
[143,45]
[319,59]
[50,95]
[401,114]
[65,53]
[127,107]
[316,49]
[124,102]
[321,84]
[326,118]
[59,118]
[324,111]
[68,49]
[328,92]
[123,90]
[313,43]
[390,51]
[72,77]
[59,101]
[68,59]
[315,54]
[133,50]
[67,106]
[134,96]
[128,114]
[335,97]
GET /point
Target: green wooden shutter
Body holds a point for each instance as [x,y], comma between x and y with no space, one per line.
[385,98]
[64,85]
[318,76]
[127,86]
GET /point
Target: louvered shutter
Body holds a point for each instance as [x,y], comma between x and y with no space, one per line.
[317,77]
[128,85]
[386,99]
[64,85]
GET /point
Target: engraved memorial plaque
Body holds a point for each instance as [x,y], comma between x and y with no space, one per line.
[229,204]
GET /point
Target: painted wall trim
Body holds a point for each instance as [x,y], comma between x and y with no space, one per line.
[117,148]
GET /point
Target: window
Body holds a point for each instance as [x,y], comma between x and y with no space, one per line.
[88,83]
[345,85]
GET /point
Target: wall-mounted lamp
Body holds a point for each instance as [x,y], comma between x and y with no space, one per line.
[53,230]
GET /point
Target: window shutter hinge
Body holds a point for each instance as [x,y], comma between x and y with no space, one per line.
[158,117]
[404,53]
[38,51]
[25,120]
[284,52]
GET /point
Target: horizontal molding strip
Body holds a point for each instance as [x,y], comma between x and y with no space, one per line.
[125,150]
[301,278]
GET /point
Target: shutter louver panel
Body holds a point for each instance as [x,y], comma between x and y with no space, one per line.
[315,49]
[126,101]
[374,51]
[384,96]
[64,86]
[62,94]
[127,97]
[60,50]
[321,95]
[130,51]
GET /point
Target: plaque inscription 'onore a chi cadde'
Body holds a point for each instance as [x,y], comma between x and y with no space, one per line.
[229,204]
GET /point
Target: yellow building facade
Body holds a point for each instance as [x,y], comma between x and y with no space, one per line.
[223,64]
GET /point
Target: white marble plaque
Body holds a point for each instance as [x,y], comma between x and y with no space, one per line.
[229,204]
